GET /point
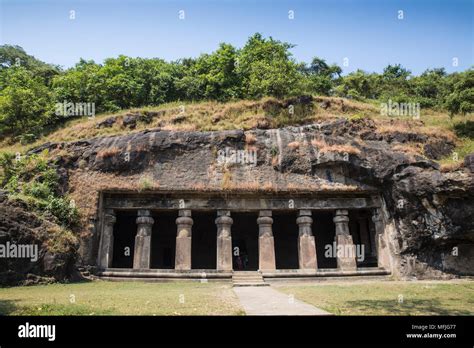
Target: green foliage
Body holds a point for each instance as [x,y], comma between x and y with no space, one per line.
[267,69]
[461,100]
[15,56]
[29,88]
[26,103]
[360,85]
[33,180]
[211,76]
[319,77]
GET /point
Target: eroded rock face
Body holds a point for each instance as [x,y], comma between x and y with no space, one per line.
[21,227]
[431,211]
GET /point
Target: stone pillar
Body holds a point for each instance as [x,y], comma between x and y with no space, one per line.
[142,254]
[184,223]
[224,240]
[107,240]
[380,245]
[266,243]
[306,242]
[346,255]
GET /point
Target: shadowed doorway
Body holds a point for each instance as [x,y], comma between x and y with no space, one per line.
[163,239]
[204,240]
[125,230]
[285,234]
[245,241]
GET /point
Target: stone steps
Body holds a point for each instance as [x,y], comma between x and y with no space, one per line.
[248,278]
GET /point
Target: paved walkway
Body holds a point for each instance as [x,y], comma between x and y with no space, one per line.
[263,300]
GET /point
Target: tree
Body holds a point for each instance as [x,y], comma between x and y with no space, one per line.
[430,87]
[212,76]
[360,85]
[26,103]
[266,68]
[81,83]
[321,78]
[15,56]
[461,100]
[394,72]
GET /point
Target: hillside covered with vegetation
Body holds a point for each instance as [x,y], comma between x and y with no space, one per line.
[30,90]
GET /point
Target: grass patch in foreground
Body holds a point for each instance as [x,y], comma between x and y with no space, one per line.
[388,298]
[120,298]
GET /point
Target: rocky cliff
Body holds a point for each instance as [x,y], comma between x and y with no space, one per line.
[432,212]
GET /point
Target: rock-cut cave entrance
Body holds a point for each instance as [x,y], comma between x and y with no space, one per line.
[285,234]
[163,239]
[245,241]
[125,230]
[204,242]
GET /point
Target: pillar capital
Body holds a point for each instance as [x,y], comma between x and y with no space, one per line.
[184,220]
[341,216]
[304,220]
[145,220]
[264,220]
[224,220]
[341,219]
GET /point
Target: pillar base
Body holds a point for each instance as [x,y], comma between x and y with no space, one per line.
[224,253]
[307,253]
[266,253]
[183,254]
[346,253]
[141,257]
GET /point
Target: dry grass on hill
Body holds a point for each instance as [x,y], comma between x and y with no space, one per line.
[324,147]
[264,113]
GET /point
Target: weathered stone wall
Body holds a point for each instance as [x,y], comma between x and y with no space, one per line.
[427,214]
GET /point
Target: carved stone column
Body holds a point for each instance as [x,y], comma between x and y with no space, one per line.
[107,240]
[306,243]
[380,244]
[346,253]
[142,254]
[184,224]
[224,240]
[266,243]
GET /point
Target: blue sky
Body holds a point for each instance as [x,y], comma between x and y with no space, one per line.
[367,32]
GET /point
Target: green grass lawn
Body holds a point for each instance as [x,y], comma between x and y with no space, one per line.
[192,298]
[120,298]
[388,298]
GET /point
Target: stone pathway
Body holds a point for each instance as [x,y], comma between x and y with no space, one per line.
[264,300]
